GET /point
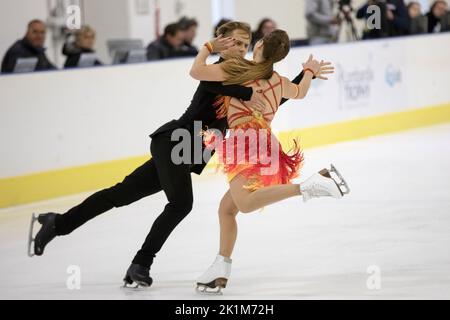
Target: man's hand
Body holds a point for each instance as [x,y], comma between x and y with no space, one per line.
[325,68]
[258,99]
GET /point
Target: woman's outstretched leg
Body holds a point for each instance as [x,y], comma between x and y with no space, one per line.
[320,184]
[247,201]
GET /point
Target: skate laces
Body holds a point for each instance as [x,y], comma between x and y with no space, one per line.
[318,190]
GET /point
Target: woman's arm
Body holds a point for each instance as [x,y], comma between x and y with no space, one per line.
[293,91]
[203,72]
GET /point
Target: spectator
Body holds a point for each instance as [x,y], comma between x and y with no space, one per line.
[219,24]
[437,11]
[167,46]
[189,27]
[84,43]
[394,19]
[265,26]
[322,24]
[32,45]
[418,22]
[414,9]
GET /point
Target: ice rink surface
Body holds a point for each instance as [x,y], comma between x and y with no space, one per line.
[396,218]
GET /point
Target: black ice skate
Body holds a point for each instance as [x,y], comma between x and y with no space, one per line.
[44,236]
[138,275]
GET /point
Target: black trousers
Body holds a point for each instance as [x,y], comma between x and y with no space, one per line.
[159,173]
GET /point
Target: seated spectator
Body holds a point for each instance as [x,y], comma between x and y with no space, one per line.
[418,22]
[31,46]
[84,43]
[265,26]
[394,19]
[189,27]
[437,11]
[167,46]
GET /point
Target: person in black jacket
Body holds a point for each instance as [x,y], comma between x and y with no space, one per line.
[160,173]
[32,45]
[169,45]
[189,27]
[84,43]
[394,19]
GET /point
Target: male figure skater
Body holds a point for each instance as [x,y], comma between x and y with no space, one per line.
[159,173]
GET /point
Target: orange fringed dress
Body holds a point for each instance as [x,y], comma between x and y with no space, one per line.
[250,149]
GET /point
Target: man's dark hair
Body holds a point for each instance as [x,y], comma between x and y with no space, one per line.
[35,21]
[172,29]
[186,23]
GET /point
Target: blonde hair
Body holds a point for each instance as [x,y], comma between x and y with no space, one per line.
[239,70]
[83,31]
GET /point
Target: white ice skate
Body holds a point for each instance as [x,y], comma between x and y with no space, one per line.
[216,277]
[324,184]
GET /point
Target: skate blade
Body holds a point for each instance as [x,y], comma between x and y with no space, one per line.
[213,288]
[134,287]
[31,237]
[205,290]
[340,181]
[130,284]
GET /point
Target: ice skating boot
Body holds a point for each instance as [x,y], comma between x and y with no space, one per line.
[139,275]
[216,277]
[46,234]
[325,183]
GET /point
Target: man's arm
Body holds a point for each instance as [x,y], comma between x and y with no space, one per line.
[235,91]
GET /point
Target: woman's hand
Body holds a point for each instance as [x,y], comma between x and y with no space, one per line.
[325,68]
[312,64]
[220,44]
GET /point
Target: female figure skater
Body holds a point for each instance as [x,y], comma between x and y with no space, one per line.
[253,181]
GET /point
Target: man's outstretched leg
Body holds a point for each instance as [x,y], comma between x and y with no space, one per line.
[140,183]
[176,182]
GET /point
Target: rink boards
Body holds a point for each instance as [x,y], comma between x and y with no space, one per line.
[71,131]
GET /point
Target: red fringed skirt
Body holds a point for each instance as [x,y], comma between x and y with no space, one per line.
[252,151]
